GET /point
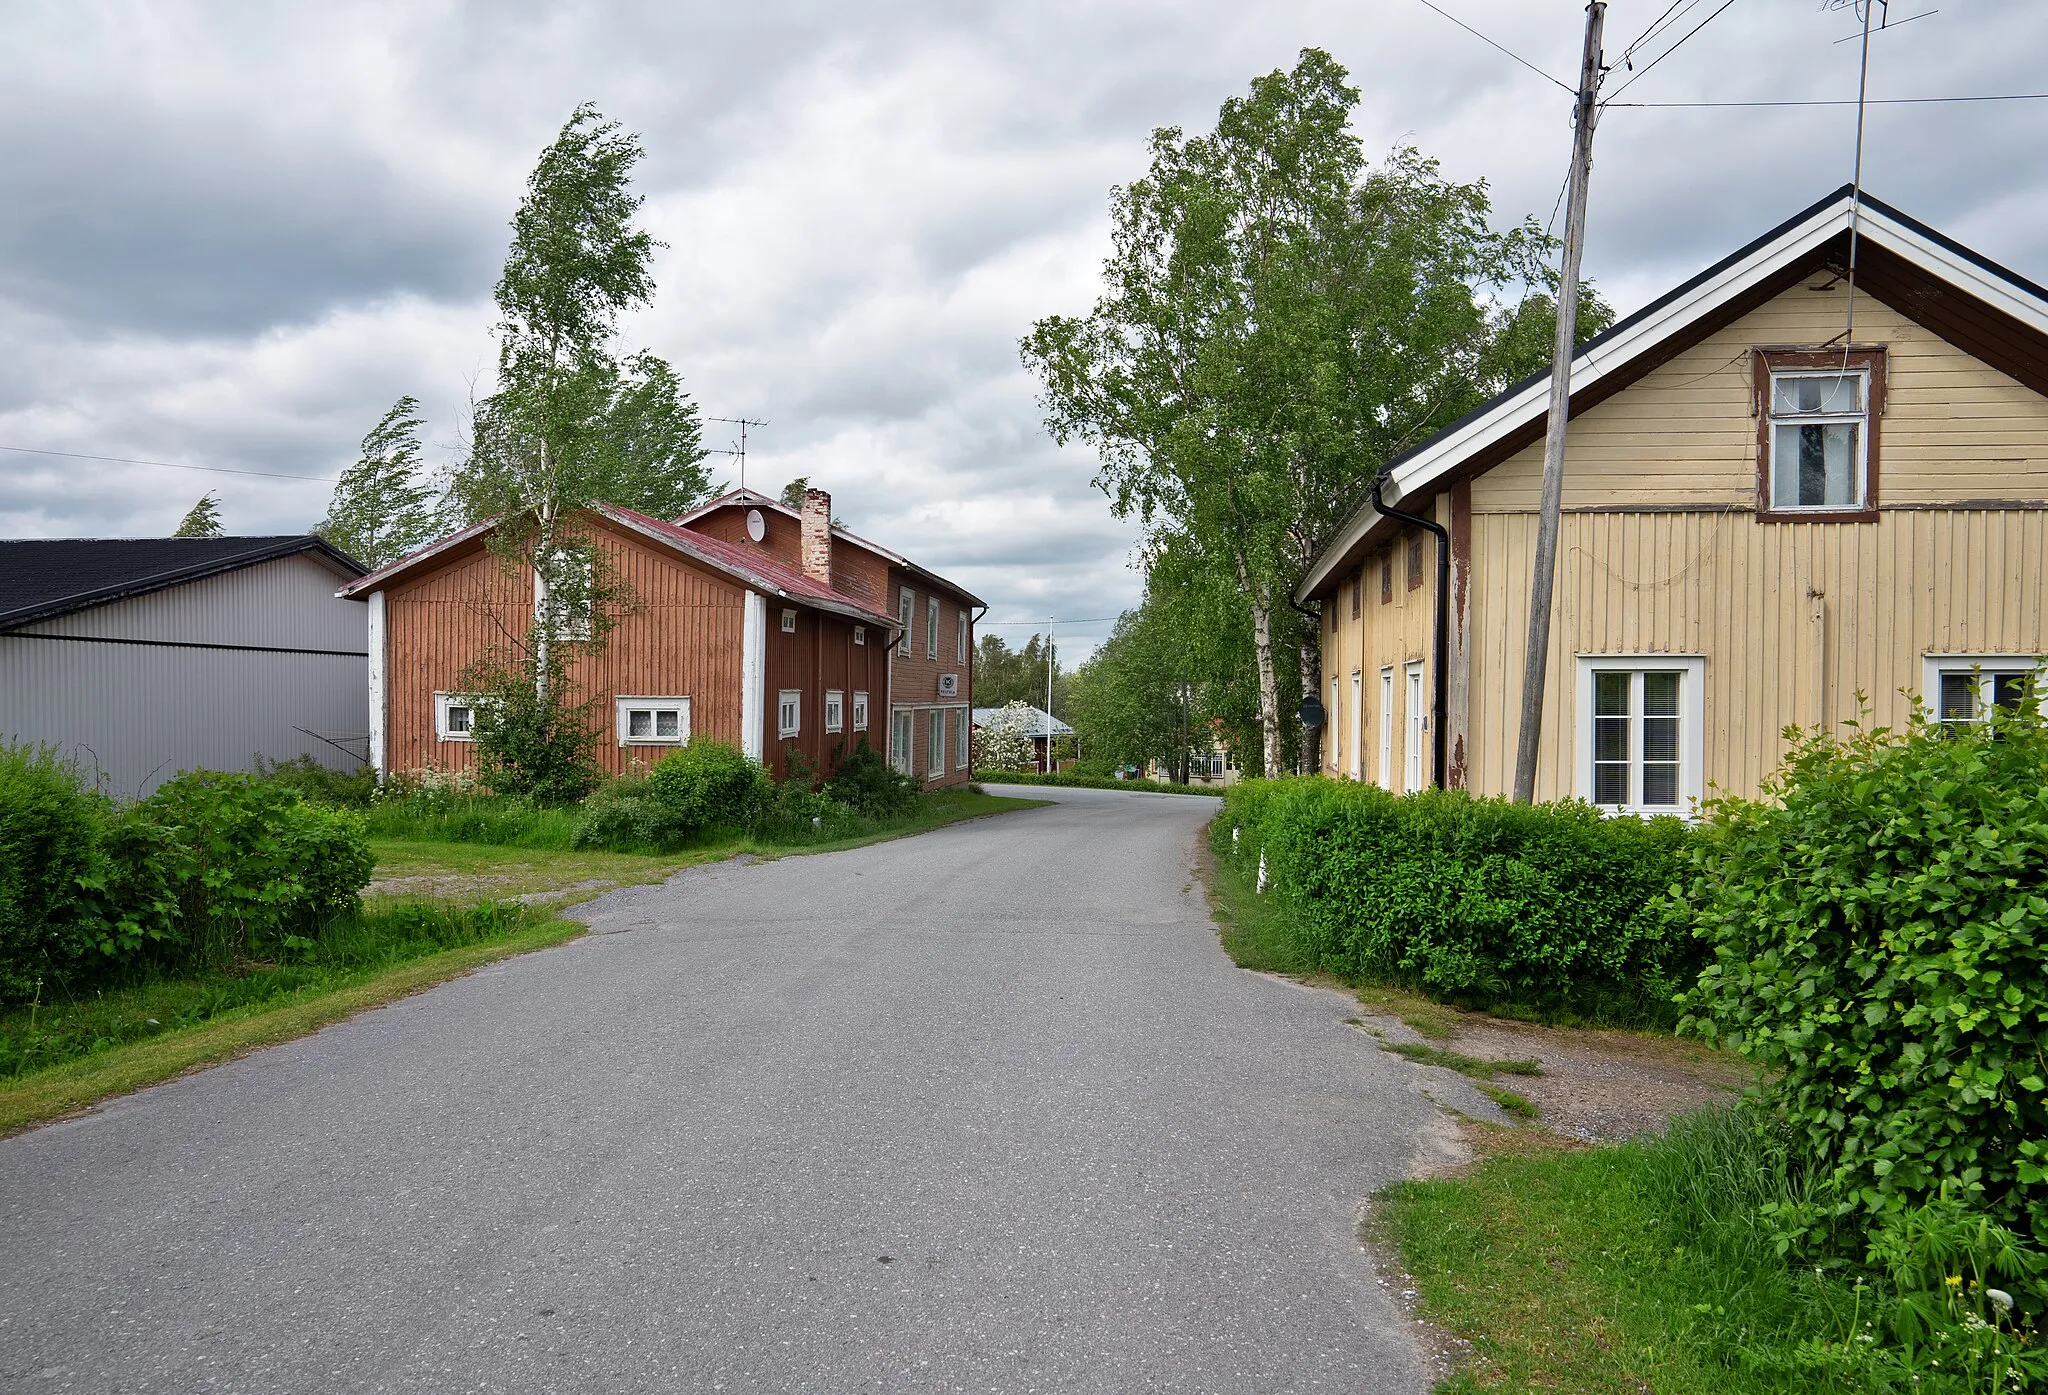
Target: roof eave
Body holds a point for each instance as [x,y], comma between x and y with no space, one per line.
[179,576]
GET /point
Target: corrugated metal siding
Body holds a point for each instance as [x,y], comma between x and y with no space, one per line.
[680,638]
[289,603]
[137,714]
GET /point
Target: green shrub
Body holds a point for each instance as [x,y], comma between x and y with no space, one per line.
[1555,908]
[246,863]
[869,785]
[627,815]
[709,784]
[51,824]
[320,784]
[1879,928]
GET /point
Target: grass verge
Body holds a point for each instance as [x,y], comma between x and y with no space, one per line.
[53,1091]
[1630,1267]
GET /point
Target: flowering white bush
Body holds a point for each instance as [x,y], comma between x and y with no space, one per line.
[1003,742]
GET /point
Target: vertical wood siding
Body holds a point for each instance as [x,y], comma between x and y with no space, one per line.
[679,637]
[1392,635]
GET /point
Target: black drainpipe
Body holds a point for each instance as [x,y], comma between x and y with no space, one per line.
[1440,699]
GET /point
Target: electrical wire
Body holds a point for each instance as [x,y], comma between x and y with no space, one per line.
[1098,620]
[1850,101]
[169,464]
[1504,49]
[1639,73]
[1657,26]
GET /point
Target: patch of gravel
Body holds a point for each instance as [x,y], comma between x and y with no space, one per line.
[1597,1085]
[440,885]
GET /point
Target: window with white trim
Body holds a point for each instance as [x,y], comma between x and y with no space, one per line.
[900,741]
[1386,728]
[789,712]
[860,636]
[1417,724]
[454,717]
[963,732]
[835,710]
[653,721]
[1641,737]
[860,711]
[789,622]
[1965,687]
[568,607]
[931,628]
[935,751]
[1818,435]
[906,611]
[960,638]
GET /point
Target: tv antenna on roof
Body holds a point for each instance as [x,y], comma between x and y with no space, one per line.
[738,449]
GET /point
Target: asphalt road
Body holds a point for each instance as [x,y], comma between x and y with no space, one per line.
[983,1110]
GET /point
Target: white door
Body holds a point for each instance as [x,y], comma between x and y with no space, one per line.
[1415,728]
[1336,726]
[1357,725]
[1386,728]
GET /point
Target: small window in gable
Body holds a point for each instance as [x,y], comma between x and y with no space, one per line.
[1817,442]
[860,636]
[789,622]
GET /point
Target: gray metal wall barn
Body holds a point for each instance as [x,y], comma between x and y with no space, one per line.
[264,660]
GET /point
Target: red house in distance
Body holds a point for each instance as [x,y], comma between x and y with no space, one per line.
[750,622]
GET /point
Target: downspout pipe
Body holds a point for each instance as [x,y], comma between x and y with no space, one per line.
[1440,668]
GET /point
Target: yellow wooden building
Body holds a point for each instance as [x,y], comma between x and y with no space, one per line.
[1766,524]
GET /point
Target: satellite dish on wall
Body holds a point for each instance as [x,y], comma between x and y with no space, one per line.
[757,526]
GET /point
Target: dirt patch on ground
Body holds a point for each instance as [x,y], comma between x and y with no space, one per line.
[444,886]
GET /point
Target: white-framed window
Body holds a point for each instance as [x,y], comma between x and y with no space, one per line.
[1417,724]
[789,712]
[1641,732]
[570,615]
[860,711]
[454,717]
[789,622]
[963,732]
[860,636]
[1336,724]
[1386,728]
[900,741]
[906,611]
[931,628]
[653,721]
[1965,687]
[1819,438]
[1357,726]
[835,710]
[960,639]
[935,751]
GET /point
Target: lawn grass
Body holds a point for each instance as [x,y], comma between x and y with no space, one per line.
[295,1010]
[1624,1268]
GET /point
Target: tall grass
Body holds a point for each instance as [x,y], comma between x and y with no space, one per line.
[42,1034]
[506,823]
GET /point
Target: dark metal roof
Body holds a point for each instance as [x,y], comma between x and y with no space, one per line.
[43,578]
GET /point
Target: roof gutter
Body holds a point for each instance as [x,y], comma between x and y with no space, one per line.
[1439,672]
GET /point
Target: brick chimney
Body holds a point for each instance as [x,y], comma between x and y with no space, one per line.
[816,549]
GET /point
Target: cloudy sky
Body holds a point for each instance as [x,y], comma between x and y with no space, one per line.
[231,235]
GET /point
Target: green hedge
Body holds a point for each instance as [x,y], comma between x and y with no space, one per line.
[1554,908]
[1879,925]
[211,869]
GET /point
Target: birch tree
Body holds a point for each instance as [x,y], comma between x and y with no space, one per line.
[1278,320]
[384,506]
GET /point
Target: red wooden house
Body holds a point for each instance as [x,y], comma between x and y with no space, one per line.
[747,622]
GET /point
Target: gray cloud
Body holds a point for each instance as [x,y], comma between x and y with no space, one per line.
[232,235]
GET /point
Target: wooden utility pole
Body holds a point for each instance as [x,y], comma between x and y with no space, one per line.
[1536,663]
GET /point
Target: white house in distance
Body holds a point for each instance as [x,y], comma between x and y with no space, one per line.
[139,658]
[1040,726]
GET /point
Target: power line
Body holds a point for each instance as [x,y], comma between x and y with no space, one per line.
[1640,72]
[1483,39]
[1098,620]
[1657,26]
[1851,101]
[169,464]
